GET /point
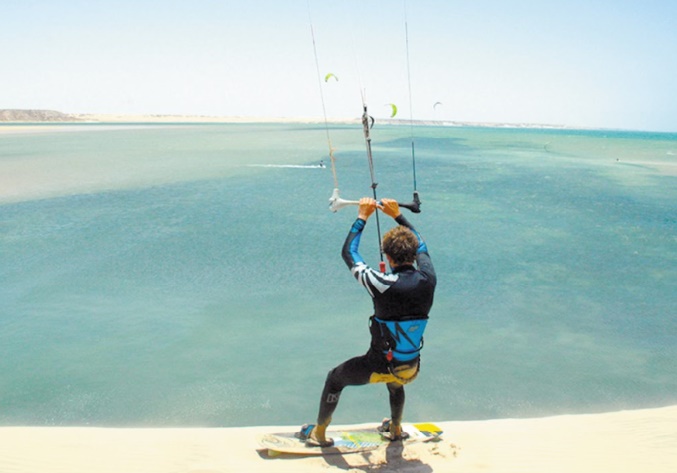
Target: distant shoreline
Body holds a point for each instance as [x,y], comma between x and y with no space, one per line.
[42,117]
[30,121]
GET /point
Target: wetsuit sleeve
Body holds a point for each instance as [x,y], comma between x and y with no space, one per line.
[373,281]
[350,251]
[423,261]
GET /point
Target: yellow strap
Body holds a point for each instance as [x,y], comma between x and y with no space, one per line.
[401,376]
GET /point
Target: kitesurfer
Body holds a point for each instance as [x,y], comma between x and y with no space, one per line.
[402,301]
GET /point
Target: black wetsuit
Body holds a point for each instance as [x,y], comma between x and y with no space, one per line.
[406,293]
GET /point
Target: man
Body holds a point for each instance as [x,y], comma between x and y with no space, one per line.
[402,301]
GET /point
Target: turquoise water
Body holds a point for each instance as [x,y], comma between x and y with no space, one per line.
[151,276]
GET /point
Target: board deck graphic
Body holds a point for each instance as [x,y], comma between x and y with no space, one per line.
[346,441]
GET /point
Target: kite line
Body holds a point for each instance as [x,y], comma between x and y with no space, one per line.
[335,201]
[332,159]
[416,200]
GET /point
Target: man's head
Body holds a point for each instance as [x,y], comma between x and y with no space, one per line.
[401,245]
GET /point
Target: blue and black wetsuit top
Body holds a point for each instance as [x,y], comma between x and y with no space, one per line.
[402,299]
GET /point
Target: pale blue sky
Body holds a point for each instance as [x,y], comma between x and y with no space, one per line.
[610,64]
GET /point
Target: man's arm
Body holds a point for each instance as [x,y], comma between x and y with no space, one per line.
[422,247]
[425,265]
[372,280]
[351,246]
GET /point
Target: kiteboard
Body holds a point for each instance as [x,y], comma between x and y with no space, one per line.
[346,441]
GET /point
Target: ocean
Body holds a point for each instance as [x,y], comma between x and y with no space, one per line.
[190,275]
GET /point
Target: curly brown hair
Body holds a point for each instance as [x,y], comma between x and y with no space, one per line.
[400,244]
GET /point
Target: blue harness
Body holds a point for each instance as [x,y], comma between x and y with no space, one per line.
[403,339]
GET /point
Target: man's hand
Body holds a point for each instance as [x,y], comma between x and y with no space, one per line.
[390,207]
[366,208]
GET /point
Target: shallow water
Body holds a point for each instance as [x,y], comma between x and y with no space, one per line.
[171,276]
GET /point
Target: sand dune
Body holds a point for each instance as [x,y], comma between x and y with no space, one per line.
[629,441]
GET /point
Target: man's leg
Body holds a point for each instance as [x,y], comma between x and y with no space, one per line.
[403,374]
[354,372]
[396,392]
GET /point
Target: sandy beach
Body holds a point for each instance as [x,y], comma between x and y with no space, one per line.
[628,441]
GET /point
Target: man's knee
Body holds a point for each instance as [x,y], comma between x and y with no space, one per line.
[333,387]
[332,377]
